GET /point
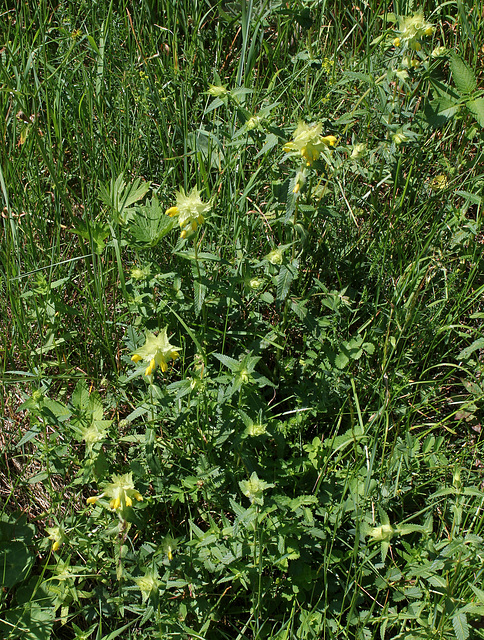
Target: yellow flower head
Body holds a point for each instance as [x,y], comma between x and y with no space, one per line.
[57,535]
[412,28]
[308,141]
[439,182]
[121,491]
[189,209]
[383,533]
[157,350]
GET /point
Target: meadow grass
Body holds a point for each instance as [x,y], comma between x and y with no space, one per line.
[260,415]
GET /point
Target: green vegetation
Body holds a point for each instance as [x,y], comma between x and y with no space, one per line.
[241,271]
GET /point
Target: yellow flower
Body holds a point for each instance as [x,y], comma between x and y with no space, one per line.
[439,182]
[121,491]
[412,28]
[169,544]
[57,535]
[438,51]
[156,350]
[383,533]
[189,209]
[308,141]
[253,123]
[254,488]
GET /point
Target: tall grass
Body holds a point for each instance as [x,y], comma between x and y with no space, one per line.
[309,463]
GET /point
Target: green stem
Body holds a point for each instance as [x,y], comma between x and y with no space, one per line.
[195,249]
[294,234]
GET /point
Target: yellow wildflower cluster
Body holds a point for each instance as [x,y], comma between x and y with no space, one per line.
[156,350]
[411,29]
[121,491]
[189,210]
[307,140]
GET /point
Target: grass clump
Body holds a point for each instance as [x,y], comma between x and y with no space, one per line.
[241,306]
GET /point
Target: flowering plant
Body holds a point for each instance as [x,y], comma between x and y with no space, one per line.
[308,141]
[121,491]
[189,210]
[157,350]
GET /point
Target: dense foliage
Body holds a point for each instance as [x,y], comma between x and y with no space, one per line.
[241,309]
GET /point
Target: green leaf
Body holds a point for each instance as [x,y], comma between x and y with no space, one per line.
[230,363]
[290,203]
[286,276]
[270,142]
[15,562]
[200,291]
[95,232]
[464,78]
[461,628]
[476,107]
[479,593]
[118,196]
[466,353]
[341,360]
[149,223]
[31,622]
[80,396]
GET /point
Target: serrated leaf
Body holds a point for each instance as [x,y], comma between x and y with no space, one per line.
[270,142]
[230,363]
[215,104]
[290,202]
[97,232]
[200,291]
[266,297]
[80,396]
[95,406]
[445,107]
[134,192]
[299,309]
[285,278]
[473,198]
[461,628]
[468,351]
[118,196]
[437,582]
[15,561]
[149,223]
[369,347]
[476,107]
[341,360]
[435,115]
[464,78]
[56,409]
[479,593]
